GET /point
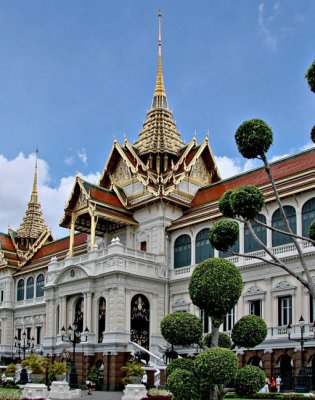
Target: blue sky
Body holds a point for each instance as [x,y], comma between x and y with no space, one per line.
[74,74]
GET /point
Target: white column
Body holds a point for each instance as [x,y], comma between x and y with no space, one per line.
[71,244]
[89,311]
[63,313]
[84,310]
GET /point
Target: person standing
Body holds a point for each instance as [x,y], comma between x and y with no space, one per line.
[144,379]
[3,380]
[278,383]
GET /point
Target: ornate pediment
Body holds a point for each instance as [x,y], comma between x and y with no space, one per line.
[71,274]
[122,175]
[199,173]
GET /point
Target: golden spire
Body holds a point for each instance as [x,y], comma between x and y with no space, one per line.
[159,133]
[33,223]
[34,196]
[159,97]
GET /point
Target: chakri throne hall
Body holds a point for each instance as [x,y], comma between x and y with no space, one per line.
[133,241]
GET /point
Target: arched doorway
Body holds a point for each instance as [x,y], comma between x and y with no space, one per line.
[100,368]
[140,320]
[284,369]
[256,361]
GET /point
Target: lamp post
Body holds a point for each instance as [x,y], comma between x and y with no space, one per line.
[73,336]
[28,343]
[302,380]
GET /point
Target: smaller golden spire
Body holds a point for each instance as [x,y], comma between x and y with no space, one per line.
[34,195]
[159,97]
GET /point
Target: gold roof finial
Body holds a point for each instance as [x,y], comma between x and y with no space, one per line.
[34,191]
[33,223]
[159,97]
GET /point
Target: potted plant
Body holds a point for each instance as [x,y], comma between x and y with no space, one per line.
[159,394]
[133,371]
[57,371]
[36,364]
[11,370]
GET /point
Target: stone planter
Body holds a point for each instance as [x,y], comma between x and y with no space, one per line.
[60,377]
[37,378]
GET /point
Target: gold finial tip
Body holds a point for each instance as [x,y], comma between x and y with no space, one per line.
[159,13]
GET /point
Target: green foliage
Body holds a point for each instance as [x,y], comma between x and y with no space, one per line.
[181,328]
[249,331]
[180,363]
[35,362]
[56,368]
[183,385]
[310,76]
[224,340]
[225,205]
[247,201]
[313,134]
[11,368]
[311,231]
[216,365]
[92,375]
[215,286]
[158,393]
[253,138]
[223,234]
[132,368]
[249,380]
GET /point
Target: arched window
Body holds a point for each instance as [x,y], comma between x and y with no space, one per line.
[235,248]
[308,215]
[40,282]
[182,251]
[250,243]
[140,320]
[203,248]
[101,318]
[78,316]
[278,238]
[30,288]
[20,290]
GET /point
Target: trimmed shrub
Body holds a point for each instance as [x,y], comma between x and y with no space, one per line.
[249,331]
[223,234]
[183,385]
[216,365]
[253,138]
[224,340]
[249,380]
[225,205]
[311,231]
[313,134]
[181,328]
[247,201]
[310,76]
[180,363]
[215,286]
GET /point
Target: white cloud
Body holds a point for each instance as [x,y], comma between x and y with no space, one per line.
[16,182]
[233,166]
[264,25]
[82,156]
[69,161]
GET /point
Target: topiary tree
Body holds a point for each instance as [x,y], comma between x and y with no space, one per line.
[223,234]
[224,340]
[183,385]
[253,139]
[249,380]
[216,365]
[181,328]
[180,363]
[310,76]
[249,331]
[313,134]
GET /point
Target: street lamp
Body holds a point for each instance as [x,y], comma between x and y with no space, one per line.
[302,380]
[73,336]
[28,343]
